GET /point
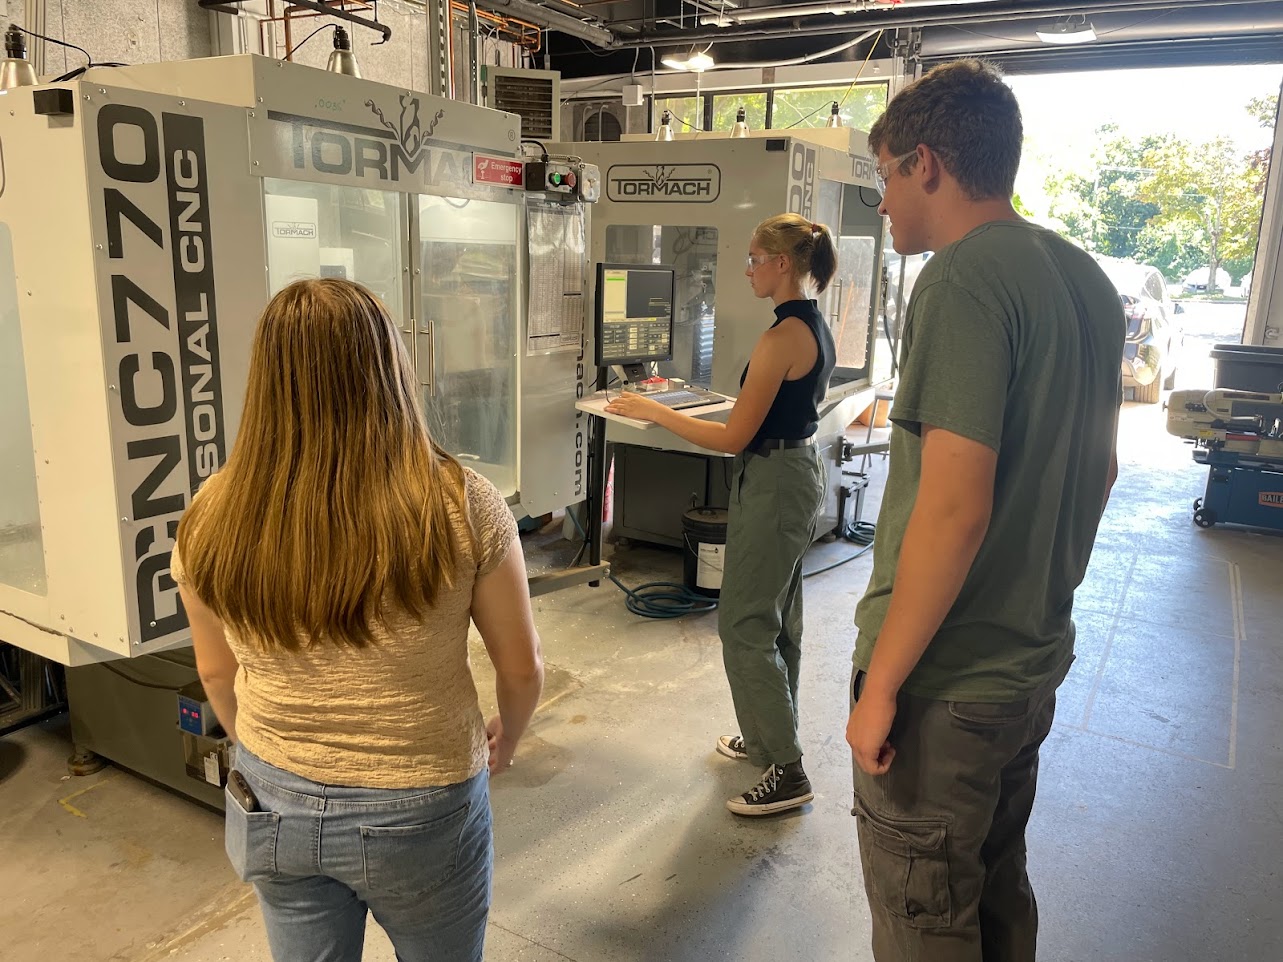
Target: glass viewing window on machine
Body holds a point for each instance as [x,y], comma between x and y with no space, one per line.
[466,341]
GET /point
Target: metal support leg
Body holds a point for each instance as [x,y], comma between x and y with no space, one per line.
[597,482]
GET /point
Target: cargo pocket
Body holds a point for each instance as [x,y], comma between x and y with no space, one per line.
[908,866]
[413,859]
[250,841]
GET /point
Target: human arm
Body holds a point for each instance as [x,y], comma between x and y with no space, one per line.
[770,363]
[946,528]
[215,661]
[501,612]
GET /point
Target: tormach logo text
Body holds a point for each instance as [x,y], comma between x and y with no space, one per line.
[401,152]
[664,183]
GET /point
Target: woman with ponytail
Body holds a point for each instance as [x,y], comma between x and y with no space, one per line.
[776,492]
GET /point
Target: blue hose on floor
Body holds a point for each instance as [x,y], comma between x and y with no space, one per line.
[664,599]
[657,599]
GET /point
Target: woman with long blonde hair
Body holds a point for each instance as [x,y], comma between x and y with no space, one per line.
[777,488]
[329,573]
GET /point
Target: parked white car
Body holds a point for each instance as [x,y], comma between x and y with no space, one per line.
[1196,281]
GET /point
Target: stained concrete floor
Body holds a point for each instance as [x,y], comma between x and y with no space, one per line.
[1158,833]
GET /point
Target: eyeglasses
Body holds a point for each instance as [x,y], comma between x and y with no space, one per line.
[754,261]
[882,171]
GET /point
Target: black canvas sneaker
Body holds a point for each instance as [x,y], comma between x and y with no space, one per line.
[732,746]
[783,787]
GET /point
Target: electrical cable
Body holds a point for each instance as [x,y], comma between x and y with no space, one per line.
[137,681]
[827,103]
[538,143]
[61,43]
[71,74]
[657,599]
[854,81]
[873,46]
[328,26]
[837,564]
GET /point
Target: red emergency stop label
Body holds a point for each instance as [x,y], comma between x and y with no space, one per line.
[497,170]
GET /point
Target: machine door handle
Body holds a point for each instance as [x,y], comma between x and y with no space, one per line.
[426,356]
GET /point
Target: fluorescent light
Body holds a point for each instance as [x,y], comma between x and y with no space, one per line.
[697,61]
[1067,33]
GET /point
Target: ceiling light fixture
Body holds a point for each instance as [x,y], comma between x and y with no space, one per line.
[697,61]
[1068,31]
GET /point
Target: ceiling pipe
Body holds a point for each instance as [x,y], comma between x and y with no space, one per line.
[994,11]
[572,92]
[572,10]
[547,17]
[756,15]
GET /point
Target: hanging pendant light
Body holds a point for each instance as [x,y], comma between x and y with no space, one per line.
[343,60]
[15,69]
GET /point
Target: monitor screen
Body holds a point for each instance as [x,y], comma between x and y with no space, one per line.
[634,314]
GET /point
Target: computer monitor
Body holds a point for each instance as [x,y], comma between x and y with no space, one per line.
[634,316]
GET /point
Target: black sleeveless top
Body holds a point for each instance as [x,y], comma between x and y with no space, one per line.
[795,412]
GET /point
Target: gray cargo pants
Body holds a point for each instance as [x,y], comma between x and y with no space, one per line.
[942,834]
[775,503]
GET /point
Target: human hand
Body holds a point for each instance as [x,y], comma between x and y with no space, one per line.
[501,747]
[632,405]
[867,730]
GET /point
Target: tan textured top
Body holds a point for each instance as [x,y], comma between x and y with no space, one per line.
[400,713]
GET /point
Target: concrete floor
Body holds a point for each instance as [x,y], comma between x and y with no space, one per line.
[1158,833]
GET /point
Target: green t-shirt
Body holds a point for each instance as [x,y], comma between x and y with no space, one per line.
[1013,338]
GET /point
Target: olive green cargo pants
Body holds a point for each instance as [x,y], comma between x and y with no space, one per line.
[775,503]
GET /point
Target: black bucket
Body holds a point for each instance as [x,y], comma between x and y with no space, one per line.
[704,550]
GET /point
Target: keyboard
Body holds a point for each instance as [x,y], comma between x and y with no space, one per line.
[683,398]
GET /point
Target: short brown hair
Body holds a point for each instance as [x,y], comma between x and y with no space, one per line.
[968,116]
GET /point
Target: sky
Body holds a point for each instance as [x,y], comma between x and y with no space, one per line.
[1062,111]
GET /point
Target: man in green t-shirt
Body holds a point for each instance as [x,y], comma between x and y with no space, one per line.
[1002,459]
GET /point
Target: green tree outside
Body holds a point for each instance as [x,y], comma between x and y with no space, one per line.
[1211,189]
[858,106]
[1167,202]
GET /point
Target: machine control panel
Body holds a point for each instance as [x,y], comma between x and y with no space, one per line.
[570,178]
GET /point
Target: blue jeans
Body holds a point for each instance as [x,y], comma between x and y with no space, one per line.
[321,856]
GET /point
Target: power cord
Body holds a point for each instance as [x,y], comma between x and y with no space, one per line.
[328,26]
[538,143]
[71,74]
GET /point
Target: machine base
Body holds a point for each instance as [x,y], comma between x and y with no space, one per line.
[127,712]
[1240,493]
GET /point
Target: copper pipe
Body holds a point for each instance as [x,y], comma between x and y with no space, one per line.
[521,33]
